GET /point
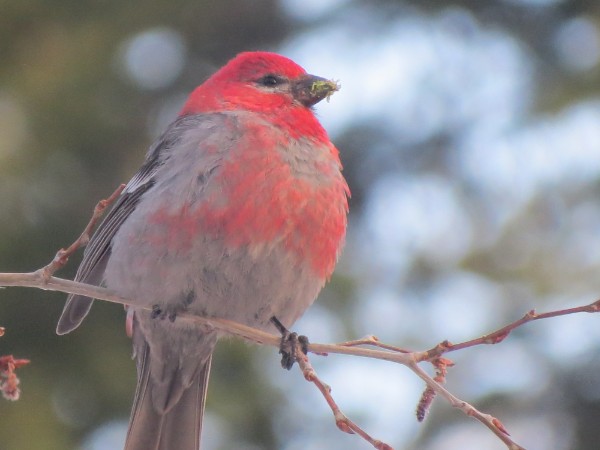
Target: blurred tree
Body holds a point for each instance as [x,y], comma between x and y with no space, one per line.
[470,134]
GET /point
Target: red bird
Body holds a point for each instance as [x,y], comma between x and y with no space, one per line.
[238,212]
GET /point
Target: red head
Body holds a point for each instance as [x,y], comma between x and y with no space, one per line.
[260,82]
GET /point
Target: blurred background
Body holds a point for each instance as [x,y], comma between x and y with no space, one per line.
[470,135]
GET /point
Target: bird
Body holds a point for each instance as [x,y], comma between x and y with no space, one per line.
[238,212]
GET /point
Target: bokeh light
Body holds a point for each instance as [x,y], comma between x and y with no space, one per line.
[470,136]
[154,58]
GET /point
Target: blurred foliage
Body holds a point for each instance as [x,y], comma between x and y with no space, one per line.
[74,124]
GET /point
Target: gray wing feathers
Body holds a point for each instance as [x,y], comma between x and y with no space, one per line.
[95,257]
[97,252]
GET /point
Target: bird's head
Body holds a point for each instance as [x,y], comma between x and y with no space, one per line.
[260,82]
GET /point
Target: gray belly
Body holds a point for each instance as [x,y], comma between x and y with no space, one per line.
[204,277]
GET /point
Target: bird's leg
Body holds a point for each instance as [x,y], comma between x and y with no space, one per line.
[170,311]
[163,313]
[289,344]
[157,312]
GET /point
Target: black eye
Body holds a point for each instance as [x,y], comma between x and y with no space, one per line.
[271,80]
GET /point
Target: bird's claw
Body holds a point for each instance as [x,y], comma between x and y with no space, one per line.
[159,313]
[289,344]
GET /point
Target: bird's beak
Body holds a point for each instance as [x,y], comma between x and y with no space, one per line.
[310,89]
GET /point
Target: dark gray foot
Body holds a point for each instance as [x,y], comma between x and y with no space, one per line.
[289,344]
[159,313]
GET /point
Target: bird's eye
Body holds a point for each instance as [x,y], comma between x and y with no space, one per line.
[271,80]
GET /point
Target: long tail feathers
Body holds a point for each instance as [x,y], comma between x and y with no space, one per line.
[177,429]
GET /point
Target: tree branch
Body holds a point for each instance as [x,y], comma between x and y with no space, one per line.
[410,359]
[62,256]
[500,334]
[355,348]
[44,279]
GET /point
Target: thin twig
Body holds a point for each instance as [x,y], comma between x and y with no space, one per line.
[502,333]
[489,421]
[62,256]
[434,386]
[341,420]
[441,370]
[375,342]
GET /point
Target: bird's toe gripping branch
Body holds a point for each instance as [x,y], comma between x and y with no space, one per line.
[289,343]
[161,313]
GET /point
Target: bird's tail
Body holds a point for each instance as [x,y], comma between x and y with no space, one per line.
[177,428]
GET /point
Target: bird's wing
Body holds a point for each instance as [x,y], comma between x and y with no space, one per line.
[95,257]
